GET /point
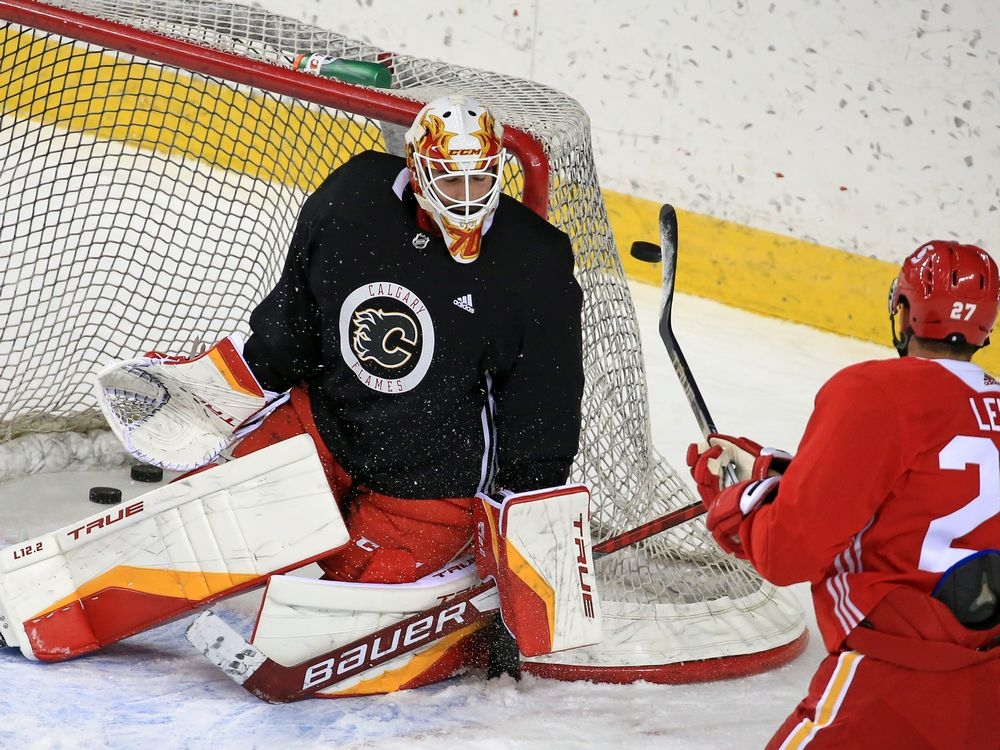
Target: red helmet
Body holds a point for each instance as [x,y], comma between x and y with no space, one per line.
[952,292]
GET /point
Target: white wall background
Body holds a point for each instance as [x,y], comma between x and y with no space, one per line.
[865,125]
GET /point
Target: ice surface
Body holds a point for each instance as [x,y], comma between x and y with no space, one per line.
[156,691]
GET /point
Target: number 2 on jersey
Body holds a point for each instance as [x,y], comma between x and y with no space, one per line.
[936,553]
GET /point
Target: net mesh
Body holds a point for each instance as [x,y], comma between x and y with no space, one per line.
[144,203]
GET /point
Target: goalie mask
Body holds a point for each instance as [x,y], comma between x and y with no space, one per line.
[945,292]
[455,153]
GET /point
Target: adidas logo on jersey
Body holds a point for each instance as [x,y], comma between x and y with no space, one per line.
[465,302]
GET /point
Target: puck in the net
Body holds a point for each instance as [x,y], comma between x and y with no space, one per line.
[105,495]
[146,473]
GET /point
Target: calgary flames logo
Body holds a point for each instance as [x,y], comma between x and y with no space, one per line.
[386,337]
[389,339]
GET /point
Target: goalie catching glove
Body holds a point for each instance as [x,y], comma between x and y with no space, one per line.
[758,471]
[181,413]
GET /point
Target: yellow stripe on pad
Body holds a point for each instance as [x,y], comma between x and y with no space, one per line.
[223,366]
[178,584]
[530,577]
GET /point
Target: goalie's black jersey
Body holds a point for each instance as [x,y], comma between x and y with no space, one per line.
[427,377]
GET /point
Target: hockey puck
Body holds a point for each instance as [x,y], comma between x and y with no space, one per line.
[646,251]
[105,495]
[146,473]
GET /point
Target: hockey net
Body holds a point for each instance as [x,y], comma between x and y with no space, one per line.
[154,159]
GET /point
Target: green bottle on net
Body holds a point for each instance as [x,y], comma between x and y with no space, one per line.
[360,72]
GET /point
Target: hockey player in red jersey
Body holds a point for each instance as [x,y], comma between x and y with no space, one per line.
[891,511]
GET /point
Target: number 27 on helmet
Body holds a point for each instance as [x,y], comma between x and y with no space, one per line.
[945,291]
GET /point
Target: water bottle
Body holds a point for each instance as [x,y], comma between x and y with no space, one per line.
[350,71]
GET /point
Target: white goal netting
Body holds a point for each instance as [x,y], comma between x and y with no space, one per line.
[154,158]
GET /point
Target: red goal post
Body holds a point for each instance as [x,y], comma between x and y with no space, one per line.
[154,157]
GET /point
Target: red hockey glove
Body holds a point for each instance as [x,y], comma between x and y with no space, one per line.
[727,511]
[750,460]
[757,470]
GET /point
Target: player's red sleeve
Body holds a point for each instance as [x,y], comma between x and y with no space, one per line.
[847,462]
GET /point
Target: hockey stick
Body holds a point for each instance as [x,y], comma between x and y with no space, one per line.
[668,243]
[252,669]
[667,252]
[651,528]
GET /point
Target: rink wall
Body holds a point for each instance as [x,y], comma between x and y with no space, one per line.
[809,145]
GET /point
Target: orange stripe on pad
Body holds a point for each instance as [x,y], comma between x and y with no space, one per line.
[531,578]
[233,367]
[192,586]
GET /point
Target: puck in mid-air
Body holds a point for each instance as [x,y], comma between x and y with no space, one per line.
[646,251]
[146,473]
[105,495]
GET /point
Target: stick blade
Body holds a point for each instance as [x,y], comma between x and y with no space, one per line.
[224,647]
[668,248]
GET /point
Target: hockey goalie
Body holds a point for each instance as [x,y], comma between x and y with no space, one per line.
[419,355]
[533,547]
[266,507]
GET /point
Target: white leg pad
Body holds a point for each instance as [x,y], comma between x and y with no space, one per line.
[537,547]
[157,557]
[301,618]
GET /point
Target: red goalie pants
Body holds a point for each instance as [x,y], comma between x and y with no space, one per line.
[393,540]
[859,702]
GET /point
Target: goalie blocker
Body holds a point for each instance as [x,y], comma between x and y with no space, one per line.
[536,547]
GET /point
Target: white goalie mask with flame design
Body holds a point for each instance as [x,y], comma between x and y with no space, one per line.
[455,154]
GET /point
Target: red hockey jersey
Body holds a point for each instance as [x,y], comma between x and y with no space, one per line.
[896,479]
